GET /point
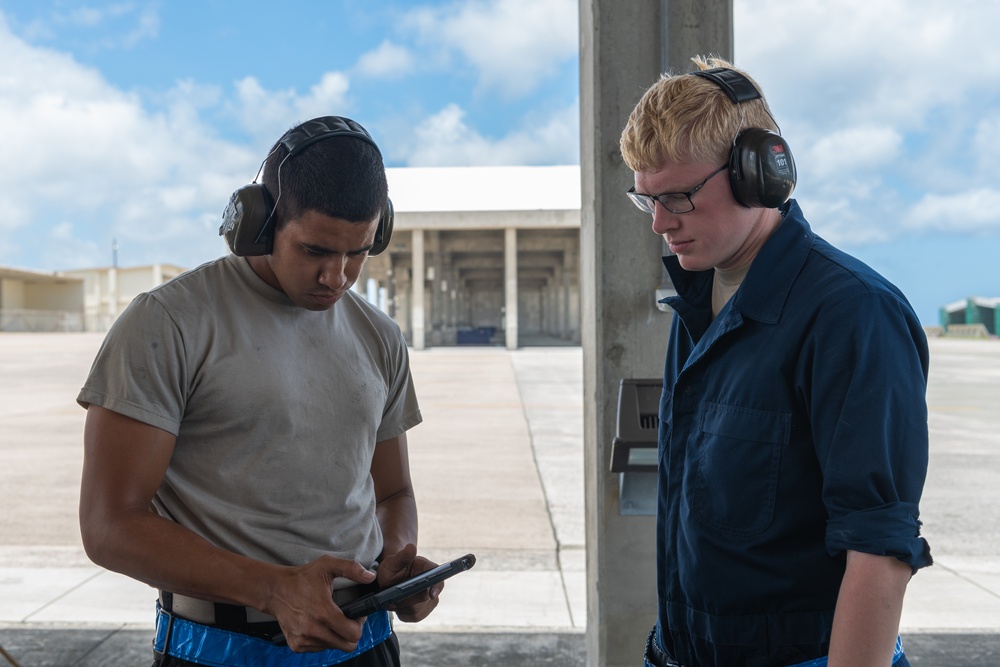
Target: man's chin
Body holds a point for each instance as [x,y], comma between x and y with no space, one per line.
[689,263]
[319,301]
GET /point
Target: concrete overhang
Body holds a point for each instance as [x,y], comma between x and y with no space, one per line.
[485,188]
[482,220]
[37,277]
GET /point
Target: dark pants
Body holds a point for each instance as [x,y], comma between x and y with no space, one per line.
[385,654]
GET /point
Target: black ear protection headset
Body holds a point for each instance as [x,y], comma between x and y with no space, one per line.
[761,167]
[248,221]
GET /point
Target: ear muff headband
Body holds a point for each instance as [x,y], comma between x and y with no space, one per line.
[247,221]
[761,168]
[734,84]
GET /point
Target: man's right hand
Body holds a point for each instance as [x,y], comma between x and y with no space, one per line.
[302,600]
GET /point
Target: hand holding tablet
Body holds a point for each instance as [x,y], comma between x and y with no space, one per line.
[389,596]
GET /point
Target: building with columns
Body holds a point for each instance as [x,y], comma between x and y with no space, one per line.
[496,250]
[481,255]
[108,290]
[40,301]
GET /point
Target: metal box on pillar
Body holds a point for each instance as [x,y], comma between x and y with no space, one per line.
[634,450]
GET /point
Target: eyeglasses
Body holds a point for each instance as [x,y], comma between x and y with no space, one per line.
[675,202]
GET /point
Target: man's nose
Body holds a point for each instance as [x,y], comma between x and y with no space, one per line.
[663,220]
[333,274]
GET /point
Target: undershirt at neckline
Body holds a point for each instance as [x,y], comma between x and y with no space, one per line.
[724,286]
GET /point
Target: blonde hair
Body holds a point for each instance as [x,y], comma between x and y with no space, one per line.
[688,119]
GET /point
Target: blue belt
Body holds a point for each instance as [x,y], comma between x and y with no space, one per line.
[821,662]
[206,645]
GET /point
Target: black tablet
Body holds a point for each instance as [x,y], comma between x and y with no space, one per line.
[382,599]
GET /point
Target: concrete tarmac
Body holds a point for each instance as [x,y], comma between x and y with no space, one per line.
[498,470]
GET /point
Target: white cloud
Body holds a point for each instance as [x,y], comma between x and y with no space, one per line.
[845,152]
[865,60]
[148,26]
[87,17]
[889,105]
[388,61]
[838,220]
[266,114]
[90,16]
[445,139]
[986,142]
[883,102]
[88,162]
[188,99]
[14,212]
[514,45]
[130,24]
[971,211]
[64,250]
[91,162]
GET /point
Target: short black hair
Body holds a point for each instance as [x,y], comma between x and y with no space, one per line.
[342,177]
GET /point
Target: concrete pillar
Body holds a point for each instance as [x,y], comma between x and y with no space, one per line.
[464,299]
[447,302]
[390,296]
[624,335]
[113,294]
[435,315]
[693,27]
[575,288]
[561,285]
[569,324]
[454,304]
[510,286]
[402,289]
[556,299]
[417,289]
[555,292]
[546,305]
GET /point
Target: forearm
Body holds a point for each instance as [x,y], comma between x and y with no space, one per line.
[395,505]
[869,606]
[397,516]
[167,556]
[121,533]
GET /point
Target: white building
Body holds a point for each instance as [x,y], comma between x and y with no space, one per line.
[39,301]
[496,249]
[107,290]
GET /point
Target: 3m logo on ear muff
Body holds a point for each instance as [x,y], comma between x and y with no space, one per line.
[761,168]
[247,222]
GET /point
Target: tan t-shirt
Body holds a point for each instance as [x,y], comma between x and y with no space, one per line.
[724,286]
[276,410]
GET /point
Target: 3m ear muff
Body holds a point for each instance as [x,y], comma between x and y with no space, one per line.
[761,167]
[248,221]
[245,221]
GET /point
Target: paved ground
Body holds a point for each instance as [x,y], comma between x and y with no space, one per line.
[498,470]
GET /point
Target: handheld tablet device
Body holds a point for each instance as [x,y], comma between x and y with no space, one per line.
[382,599]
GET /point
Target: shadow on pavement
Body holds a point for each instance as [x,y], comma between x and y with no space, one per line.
[68,647]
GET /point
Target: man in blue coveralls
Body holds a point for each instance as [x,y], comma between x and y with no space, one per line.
[793,420]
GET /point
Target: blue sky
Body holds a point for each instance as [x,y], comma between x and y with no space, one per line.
[136,120]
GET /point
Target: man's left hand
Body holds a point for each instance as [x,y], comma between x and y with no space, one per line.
[401,566]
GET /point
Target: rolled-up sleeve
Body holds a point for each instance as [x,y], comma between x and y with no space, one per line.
[890,530]
[869,422]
